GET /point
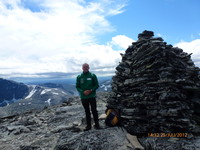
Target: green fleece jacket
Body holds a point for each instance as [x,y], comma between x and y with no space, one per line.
[87,81]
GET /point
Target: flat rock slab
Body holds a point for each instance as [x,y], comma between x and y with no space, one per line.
[134,141]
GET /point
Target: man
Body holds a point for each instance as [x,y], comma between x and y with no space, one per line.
[86,84]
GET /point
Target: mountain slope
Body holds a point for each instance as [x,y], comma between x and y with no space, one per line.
[10,91]
[17,97]
[59,127]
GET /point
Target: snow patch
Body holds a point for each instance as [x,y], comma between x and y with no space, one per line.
[105,87]
[45,91]
[55,93]
[63,92]
[48,101]
[32,92]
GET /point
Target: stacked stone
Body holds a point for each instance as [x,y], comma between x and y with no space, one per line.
[150,87]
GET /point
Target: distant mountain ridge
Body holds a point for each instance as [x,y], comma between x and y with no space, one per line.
[18,97]
[10,91]
[105,86]
[69,85]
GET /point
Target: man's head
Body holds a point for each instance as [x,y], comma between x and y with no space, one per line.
[85,67]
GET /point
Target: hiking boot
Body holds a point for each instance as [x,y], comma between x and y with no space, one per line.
[87,128]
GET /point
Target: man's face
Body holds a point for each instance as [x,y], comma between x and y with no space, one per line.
[85,68]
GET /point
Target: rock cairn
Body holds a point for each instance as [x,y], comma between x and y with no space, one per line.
[151,87]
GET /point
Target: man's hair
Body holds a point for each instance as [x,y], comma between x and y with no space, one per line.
[85,64]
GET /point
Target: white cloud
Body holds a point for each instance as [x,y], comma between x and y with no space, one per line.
[159,35]
[191,47]
[121,41]
[56,36]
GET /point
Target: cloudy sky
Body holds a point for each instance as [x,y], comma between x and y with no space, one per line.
[39,38]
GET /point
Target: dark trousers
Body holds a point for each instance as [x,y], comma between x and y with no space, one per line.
[86,104]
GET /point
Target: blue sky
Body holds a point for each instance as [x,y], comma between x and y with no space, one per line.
[46,38]
[175,20]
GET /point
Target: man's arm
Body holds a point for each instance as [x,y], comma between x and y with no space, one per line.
[78,87]
[95,85]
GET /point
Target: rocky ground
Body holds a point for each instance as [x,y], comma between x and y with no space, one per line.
[60,127]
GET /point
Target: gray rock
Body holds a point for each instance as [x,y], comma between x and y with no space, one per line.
[66,131]
[156,88]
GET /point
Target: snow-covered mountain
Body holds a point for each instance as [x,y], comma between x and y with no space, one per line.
[105,86]
[18,97]
[11,91]
[45,95]
[69,85]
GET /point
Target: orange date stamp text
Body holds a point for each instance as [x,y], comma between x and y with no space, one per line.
[177,135]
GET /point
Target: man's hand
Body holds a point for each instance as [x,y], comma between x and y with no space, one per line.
[87,92]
